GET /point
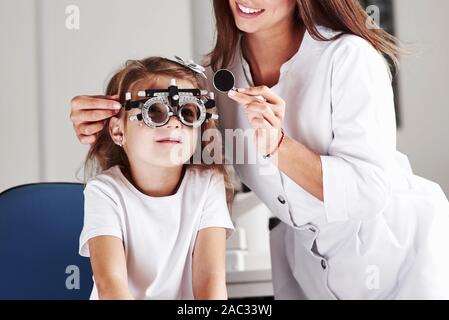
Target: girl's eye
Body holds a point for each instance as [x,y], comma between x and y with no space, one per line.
[190,111]
[156,108]
[157,112]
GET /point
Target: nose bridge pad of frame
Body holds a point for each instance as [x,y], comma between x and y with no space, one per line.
[173,95]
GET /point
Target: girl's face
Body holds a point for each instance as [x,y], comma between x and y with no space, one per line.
[167,146]
[253,16]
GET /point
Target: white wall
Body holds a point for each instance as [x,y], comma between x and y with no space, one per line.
[19,134]
[203,24]
[424,87]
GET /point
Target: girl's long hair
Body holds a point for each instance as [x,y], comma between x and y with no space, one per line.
[104,153]
[343,16]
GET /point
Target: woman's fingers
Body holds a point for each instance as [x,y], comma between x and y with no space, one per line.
[90,128]
[88,114]
[258,123]
[263,91]
[241,98]
[253,104]
[252,95]
[96,102]
[87,139]
[265,110]
[93,108]
[87,131]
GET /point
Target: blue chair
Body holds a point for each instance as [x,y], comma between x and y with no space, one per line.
[40,226]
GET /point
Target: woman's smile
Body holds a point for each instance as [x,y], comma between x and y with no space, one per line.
[247,12]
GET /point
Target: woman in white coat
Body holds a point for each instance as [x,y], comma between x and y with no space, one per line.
[355,222]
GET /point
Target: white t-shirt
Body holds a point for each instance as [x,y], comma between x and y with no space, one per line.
[158,233]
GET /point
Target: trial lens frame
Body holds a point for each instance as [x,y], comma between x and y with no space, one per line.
[174,99]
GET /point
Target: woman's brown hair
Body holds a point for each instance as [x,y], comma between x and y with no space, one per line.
[104,153]
[343,16]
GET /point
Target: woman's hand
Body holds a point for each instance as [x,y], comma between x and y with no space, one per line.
[265,111]
[298,162]
[89,114]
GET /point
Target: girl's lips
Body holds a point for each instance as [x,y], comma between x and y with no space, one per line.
[247,12]
[169,140]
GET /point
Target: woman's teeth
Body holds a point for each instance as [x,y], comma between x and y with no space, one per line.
[248,10]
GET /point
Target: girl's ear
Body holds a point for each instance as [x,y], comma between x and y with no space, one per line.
[116,131]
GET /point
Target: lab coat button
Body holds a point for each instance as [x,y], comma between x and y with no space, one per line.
[323,264]
[312,230]
[281,199]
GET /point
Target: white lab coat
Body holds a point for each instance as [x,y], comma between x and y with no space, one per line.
[381,232]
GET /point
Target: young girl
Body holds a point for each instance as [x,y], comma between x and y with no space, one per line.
[154,225]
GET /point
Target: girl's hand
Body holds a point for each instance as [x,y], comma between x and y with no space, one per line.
[264,115]
[89,114]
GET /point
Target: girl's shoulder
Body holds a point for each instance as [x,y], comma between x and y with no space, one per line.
[107,176]
[108,182]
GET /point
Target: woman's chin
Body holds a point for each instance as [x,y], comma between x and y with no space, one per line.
[247,27]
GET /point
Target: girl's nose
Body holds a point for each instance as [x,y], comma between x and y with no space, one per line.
[174,122]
